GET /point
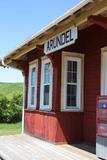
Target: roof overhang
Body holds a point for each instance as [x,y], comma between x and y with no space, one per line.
[77,16]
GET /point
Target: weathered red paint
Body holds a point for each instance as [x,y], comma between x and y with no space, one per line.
[102,129]
[38,83]
[56,64]
[94,40]
[70,127]
[54,127]
[101,116]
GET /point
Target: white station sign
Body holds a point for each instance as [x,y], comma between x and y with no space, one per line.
[61,40]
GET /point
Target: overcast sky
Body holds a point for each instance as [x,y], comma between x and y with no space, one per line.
[19,19]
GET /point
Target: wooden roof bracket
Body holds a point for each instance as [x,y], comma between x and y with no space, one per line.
[22,65]
[39,48]
[99,20]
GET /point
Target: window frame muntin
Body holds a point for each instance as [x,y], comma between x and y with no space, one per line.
[70,83]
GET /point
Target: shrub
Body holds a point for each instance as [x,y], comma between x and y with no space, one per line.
[11,110]
[3,107]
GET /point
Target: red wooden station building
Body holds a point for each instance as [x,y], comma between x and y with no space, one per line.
[65,68]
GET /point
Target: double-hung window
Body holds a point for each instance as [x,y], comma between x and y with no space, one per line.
[104,71]
[71,83]
[32,85]
[46,85]
[72,75]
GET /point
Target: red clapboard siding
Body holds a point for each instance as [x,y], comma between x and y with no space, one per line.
[61,127]
[69,127]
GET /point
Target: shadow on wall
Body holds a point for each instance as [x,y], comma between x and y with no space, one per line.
[69,127]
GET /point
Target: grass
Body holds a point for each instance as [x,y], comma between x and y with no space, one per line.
[8,89]
[10,129]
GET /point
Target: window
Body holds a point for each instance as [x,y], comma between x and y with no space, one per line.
[104,71]
[46,85]
[71,86]
[72,89]
[32,85]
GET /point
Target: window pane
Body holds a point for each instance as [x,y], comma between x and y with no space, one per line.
[32,95]
[33,76]
[47,73]
[72,72]
[74,77]
[71,95]
[69,77]
[70,66]
[46,95]
[74,66]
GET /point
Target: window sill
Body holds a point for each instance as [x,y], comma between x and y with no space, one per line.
[45,108]
[72,110]
[31,108]
[40,111]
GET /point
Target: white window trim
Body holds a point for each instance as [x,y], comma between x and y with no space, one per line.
[42,106]
[78,57]
[102,86]
[31,65]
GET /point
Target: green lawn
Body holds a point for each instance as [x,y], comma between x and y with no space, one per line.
[10,129]
[8,89]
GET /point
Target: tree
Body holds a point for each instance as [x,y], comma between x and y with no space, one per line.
[11,110]
[3,107]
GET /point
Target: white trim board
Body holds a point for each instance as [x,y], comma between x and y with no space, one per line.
[42,106]
[80,78]
[104,71]
[31,65]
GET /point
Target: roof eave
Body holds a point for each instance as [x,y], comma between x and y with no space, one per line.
[34,40]
[46,28]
